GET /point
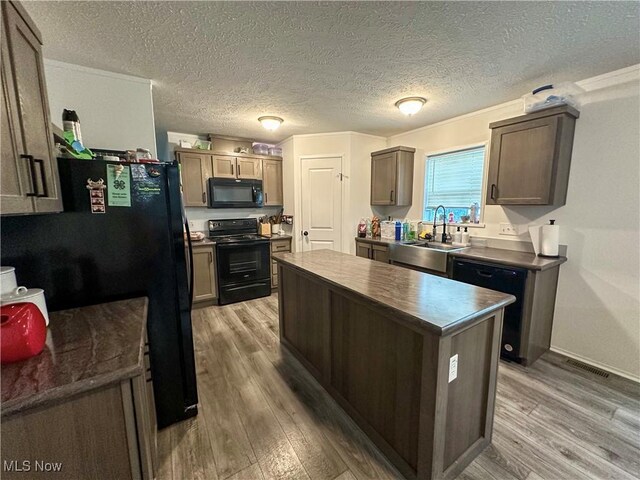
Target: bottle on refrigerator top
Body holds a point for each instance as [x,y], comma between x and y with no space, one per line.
[362,228]
[398,230]
[71,123]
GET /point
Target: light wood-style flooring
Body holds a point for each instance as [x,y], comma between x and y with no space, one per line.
[263,416]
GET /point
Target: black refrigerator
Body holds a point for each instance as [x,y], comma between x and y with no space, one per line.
[121,235]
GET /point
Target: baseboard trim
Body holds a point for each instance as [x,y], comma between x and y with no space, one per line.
[593,363]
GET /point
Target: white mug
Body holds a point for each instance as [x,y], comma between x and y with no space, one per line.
[8,281]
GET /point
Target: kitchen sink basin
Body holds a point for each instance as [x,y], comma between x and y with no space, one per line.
[439,246]
[422,254]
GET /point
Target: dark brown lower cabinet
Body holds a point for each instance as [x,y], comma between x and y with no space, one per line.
[104,433]
[392,377]
[372,251]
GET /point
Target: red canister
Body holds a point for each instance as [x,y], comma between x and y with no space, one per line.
[23,332]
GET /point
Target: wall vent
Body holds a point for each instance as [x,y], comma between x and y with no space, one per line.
[588,368]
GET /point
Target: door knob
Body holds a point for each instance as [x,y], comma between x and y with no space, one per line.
[305,233]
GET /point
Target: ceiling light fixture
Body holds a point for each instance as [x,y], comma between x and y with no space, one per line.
[411,105]
[270,123]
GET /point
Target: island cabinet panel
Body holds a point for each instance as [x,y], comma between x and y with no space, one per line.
[375,367]
[304,324]
[466,416]
[387,366]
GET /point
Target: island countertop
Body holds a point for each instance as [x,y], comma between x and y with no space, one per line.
[87,348]
[427,301]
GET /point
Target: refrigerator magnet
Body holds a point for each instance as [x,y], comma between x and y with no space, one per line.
[96,195]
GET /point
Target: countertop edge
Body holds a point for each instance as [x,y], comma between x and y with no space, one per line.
[553,262]
[10,408]
[66,392]
[407,317]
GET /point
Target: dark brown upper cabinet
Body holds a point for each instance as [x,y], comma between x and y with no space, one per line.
[30,182]
[392,176]
[530,158]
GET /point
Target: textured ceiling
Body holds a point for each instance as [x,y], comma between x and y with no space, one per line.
[335,66]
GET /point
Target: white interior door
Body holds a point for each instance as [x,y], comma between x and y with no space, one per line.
[321,197]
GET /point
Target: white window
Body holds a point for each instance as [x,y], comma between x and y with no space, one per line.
[453,179]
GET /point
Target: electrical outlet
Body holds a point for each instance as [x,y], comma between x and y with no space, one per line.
[508,229]
[453,368]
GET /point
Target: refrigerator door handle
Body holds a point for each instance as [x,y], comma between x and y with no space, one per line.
[186,227]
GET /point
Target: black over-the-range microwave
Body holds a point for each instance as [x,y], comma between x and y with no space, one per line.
[235,193]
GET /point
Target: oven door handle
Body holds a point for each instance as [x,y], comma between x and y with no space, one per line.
[242,287]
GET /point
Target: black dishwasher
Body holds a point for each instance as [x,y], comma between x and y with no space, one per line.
[509,280]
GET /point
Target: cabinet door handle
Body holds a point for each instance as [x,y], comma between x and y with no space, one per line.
[493,191]
[40,162]
[266,197]
[204,197]
[210,258]
[235,170]
[32,174]
[485,274]
[391,196]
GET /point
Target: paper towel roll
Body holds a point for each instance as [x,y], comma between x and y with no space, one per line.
[550,239]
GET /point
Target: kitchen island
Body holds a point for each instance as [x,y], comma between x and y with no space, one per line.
[411,357]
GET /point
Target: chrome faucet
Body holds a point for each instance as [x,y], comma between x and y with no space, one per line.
[444,223]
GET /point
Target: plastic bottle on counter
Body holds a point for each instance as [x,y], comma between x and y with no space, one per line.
[368,228]
[362,229]
[405,230]
[457,236]
[398,230]
[465,236]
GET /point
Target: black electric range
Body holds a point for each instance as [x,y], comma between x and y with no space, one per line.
[243,263]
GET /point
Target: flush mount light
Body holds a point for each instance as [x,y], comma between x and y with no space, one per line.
[411,105]
[270,123]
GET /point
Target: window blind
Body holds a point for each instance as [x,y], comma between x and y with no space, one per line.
[454,179]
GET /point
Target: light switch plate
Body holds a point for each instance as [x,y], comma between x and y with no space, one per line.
[508,229]
[453,368]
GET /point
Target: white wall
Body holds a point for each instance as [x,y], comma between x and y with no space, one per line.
[116,111]
[597,316]
[355,150]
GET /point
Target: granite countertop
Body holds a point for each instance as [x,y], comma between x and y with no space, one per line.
[279,237]
[426,301]
[510,258]
[87,348]
[500,256]
[204,242]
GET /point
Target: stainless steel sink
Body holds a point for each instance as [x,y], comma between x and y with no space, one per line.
[439,246]
[422,254]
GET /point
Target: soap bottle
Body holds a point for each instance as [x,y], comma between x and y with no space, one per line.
[465,236]
[405,230]
[457,236]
